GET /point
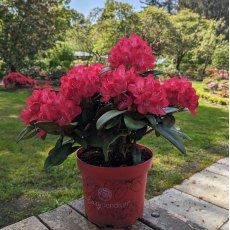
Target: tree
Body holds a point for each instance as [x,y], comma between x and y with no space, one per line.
[30,26]
[156,3]
[203,53]
[170,5]
[211,9]
[187,29]
[116,21]
[220,58]
[156,28]
[83,37]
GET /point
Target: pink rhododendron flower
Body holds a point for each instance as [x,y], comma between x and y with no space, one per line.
[81,82]
[45,105]
[113,83]
[132,52]
[34,102]
[124,102]
[149,95]
[180,92]
[61,110]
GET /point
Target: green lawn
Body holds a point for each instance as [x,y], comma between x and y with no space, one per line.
[26,190]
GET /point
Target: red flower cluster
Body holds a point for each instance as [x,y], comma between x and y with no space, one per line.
[14,79]
[149,95]
[81,82]
[132,52]
[132,91]
[180,92]
[123,87]
[46,105]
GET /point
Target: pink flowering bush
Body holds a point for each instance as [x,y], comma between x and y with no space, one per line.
[15,79]
[108,109]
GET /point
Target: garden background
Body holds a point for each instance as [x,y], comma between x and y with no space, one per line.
[43,39]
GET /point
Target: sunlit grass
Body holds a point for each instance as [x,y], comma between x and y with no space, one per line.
[25,189]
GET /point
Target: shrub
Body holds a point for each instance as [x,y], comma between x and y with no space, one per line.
[16,80]
[56,74]
[213,99]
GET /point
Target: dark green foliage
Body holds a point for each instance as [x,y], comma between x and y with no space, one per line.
[59,153]
[211,9]
[29,27]
[170,5]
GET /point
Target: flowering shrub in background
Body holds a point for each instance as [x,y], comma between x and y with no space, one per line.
[108,109]
[212,85]
[15,79]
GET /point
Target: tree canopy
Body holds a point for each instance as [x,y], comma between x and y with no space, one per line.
[29,26]
[186,33]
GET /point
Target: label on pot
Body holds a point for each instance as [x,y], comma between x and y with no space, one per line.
[100,205]
[104,194]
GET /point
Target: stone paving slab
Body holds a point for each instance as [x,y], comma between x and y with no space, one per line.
[78,205]
[224,161]
[31,223]
[207,186]
[221,169]
[66,218]
[191,208]
[161,219]
[225,226]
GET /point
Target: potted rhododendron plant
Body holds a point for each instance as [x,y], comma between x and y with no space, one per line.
[102,112]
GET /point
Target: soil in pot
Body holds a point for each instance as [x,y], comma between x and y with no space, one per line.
[95,157]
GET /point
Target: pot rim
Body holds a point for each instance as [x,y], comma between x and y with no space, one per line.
[149,151]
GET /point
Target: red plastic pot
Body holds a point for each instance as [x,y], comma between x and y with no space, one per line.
[114,195]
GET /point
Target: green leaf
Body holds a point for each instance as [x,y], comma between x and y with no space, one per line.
[26,133]
[113,122]
[132,124]
[170,110]
[168,121]
[59,142]
[168,134]
[152,120]
[138,134]
[154,72]
[157,133]
[68,129]
[106,69]
[108,116]
[58,155]
[174,129]
[81,133]
[80,140]
[104,142]
[136,155]
[49,127]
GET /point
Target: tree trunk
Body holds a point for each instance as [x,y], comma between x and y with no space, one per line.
[205,66]
[178,61]
[12,68]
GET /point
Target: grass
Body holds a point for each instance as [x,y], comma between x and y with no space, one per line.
[26,190]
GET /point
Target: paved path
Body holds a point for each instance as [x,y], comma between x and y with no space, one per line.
[201,199]
[200,202]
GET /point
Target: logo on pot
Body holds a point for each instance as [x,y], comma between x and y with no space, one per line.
[104,194]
